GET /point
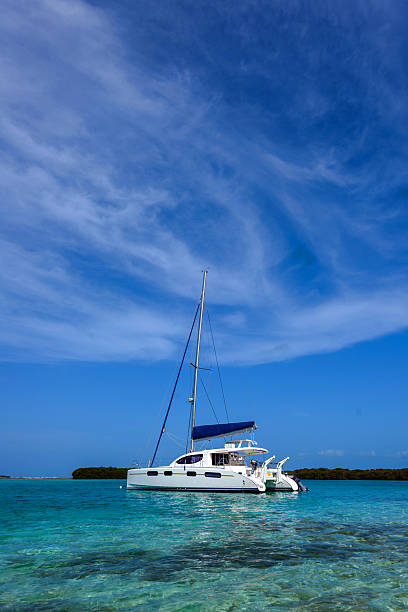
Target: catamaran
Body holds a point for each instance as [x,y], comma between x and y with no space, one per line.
[230,468]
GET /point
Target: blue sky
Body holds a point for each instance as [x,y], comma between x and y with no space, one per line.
[141,142]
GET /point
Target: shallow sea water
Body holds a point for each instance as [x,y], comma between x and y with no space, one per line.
[89,545]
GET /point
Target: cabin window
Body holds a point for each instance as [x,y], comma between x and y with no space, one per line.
[212,474]
[189,459]
[220,458]
[236,459]
[191,473]
[168,473]
[152,473]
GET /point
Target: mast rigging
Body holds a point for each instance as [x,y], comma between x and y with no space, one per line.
[197,360]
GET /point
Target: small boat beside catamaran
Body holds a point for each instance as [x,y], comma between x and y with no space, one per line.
[231,468]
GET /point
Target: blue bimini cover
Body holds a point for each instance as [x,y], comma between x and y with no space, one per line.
[204,432]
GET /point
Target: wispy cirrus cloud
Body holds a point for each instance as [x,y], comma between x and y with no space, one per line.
[125,171]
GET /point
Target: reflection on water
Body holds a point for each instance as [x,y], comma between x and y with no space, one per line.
[72,545]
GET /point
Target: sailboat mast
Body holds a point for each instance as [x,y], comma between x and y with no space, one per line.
[197,358]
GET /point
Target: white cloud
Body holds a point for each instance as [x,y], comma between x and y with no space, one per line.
[321,170]
[121,182]
[331,452]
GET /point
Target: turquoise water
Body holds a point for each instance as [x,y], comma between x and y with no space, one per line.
[89,545]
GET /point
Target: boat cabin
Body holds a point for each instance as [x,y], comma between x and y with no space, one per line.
[232,455]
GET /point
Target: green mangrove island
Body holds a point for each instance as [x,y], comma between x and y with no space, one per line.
[303,473]
[345,474]
[91,473]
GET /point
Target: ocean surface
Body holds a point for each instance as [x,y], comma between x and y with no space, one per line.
[89,545]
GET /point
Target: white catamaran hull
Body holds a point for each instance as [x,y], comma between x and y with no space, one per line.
[199,479]
[276,480]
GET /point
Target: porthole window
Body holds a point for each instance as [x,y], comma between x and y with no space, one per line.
[168,473]
[191,473]
[152,473]
[212,474]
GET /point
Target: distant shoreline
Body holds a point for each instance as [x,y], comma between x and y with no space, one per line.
[400,474]
[114,473]
[35,477]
